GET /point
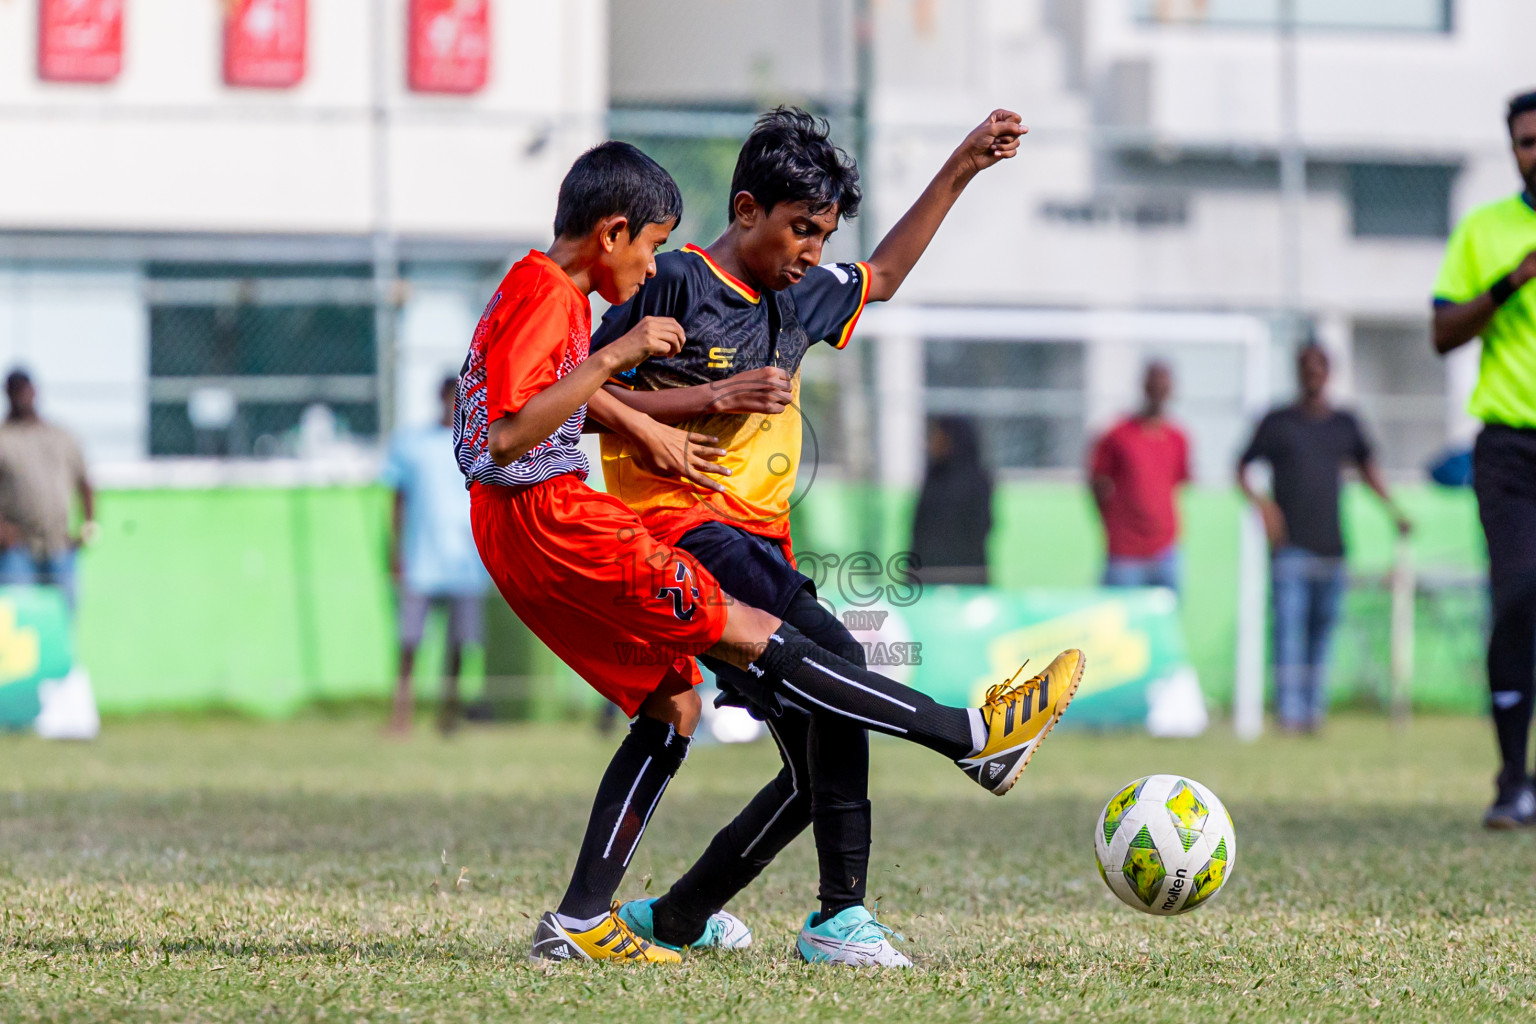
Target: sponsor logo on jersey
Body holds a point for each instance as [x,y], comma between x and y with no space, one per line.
[721,358]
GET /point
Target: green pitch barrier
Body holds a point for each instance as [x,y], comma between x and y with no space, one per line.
[263,601]
[256,600]
[1048,536]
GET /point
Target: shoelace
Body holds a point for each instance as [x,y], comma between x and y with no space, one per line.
[870,931]
[625,931]
[1003,692]
[714,932]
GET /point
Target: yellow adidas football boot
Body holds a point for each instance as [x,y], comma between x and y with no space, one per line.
[1017,717]
[610,939]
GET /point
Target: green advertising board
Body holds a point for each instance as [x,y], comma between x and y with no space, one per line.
[34,646]
[954,642]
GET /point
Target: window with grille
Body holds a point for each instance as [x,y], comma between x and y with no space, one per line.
[250,360]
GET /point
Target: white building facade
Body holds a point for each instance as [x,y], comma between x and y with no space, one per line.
[187,266]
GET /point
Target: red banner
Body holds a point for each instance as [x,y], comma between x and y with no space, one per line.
[264,43]
[79,40]
[450,45]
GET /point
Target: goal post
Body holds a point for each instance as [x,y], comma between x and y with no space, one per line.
[898,335]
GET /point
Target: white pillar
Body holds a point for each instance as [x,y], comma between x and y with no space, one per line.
[1252,582]
[1252,563]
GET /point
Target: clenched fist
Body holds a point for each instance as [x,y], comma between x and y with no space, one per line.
[652,336]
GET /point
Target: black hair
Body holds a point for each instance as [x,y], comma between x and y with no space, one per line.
[611,178]
[15,379]
[1521,104]
[1310,347]
[788,158]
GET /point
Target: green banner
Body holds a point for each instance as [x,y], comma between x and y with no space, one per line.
[954,642]
[34,646]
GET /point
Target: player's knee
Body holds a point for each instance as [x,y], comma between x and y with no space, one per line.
[746,632]
[854,652]
[823,628]
[676,703]
[788,793]
[690,709]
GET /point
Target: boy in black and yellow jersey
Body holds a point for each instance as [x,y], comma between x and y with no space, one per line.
[751,305]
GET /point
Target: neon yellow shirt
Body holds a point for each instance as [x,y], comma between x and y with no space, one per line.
[1485,246]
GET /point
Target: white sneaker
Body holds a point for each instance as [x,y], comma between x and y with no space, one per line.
[851,937]
[723,930]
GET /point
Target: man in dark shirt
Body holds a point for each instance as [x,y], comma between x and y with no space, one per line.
[1306,445]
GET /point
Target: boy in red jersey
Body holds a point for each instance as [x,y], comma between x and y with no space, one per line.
[625,611]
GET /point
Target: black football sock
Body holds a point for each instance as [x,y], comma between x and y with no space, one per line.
[739,852]
[1512,679]
[840,811]
[819,680]
[838,751]
[631,788]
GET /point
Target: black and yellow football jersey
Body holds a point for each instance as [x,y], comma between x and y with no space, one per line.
[730,328]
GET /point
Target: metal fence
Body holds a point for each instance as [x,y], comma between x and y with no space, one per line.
[260,362]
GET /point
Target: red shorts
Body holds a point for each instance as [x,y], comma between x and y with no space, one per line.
[580,570]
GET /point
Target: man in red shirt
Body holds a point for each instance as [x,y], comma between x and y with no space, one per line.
[1134,471]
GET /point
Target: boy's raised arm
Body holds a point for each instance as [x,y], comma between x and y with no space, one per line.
[995,139]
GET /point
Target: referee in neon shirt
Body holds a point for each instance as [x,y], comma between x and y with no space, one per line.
[1481,292]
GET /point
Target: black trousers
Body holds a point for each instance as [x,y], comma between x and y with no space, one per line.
[1504,477]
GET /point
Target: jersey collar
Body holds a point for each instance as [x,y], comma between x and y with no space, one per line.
[543,258]
[741,289]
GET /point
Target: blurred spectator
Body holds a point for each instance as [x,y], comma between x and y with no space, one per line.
[432,556]
[1306,445]
[40,465]
[1134,472]
[954,509]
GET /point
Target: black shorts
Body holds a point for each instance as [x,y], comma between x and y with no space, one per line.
[1504,477]
[750,568]
[754,571]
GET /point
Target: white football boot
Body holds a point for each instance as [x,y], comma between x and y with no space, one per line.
[852,937]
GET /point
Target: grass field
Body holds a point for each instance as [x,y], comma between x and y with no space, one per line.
[308,871]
